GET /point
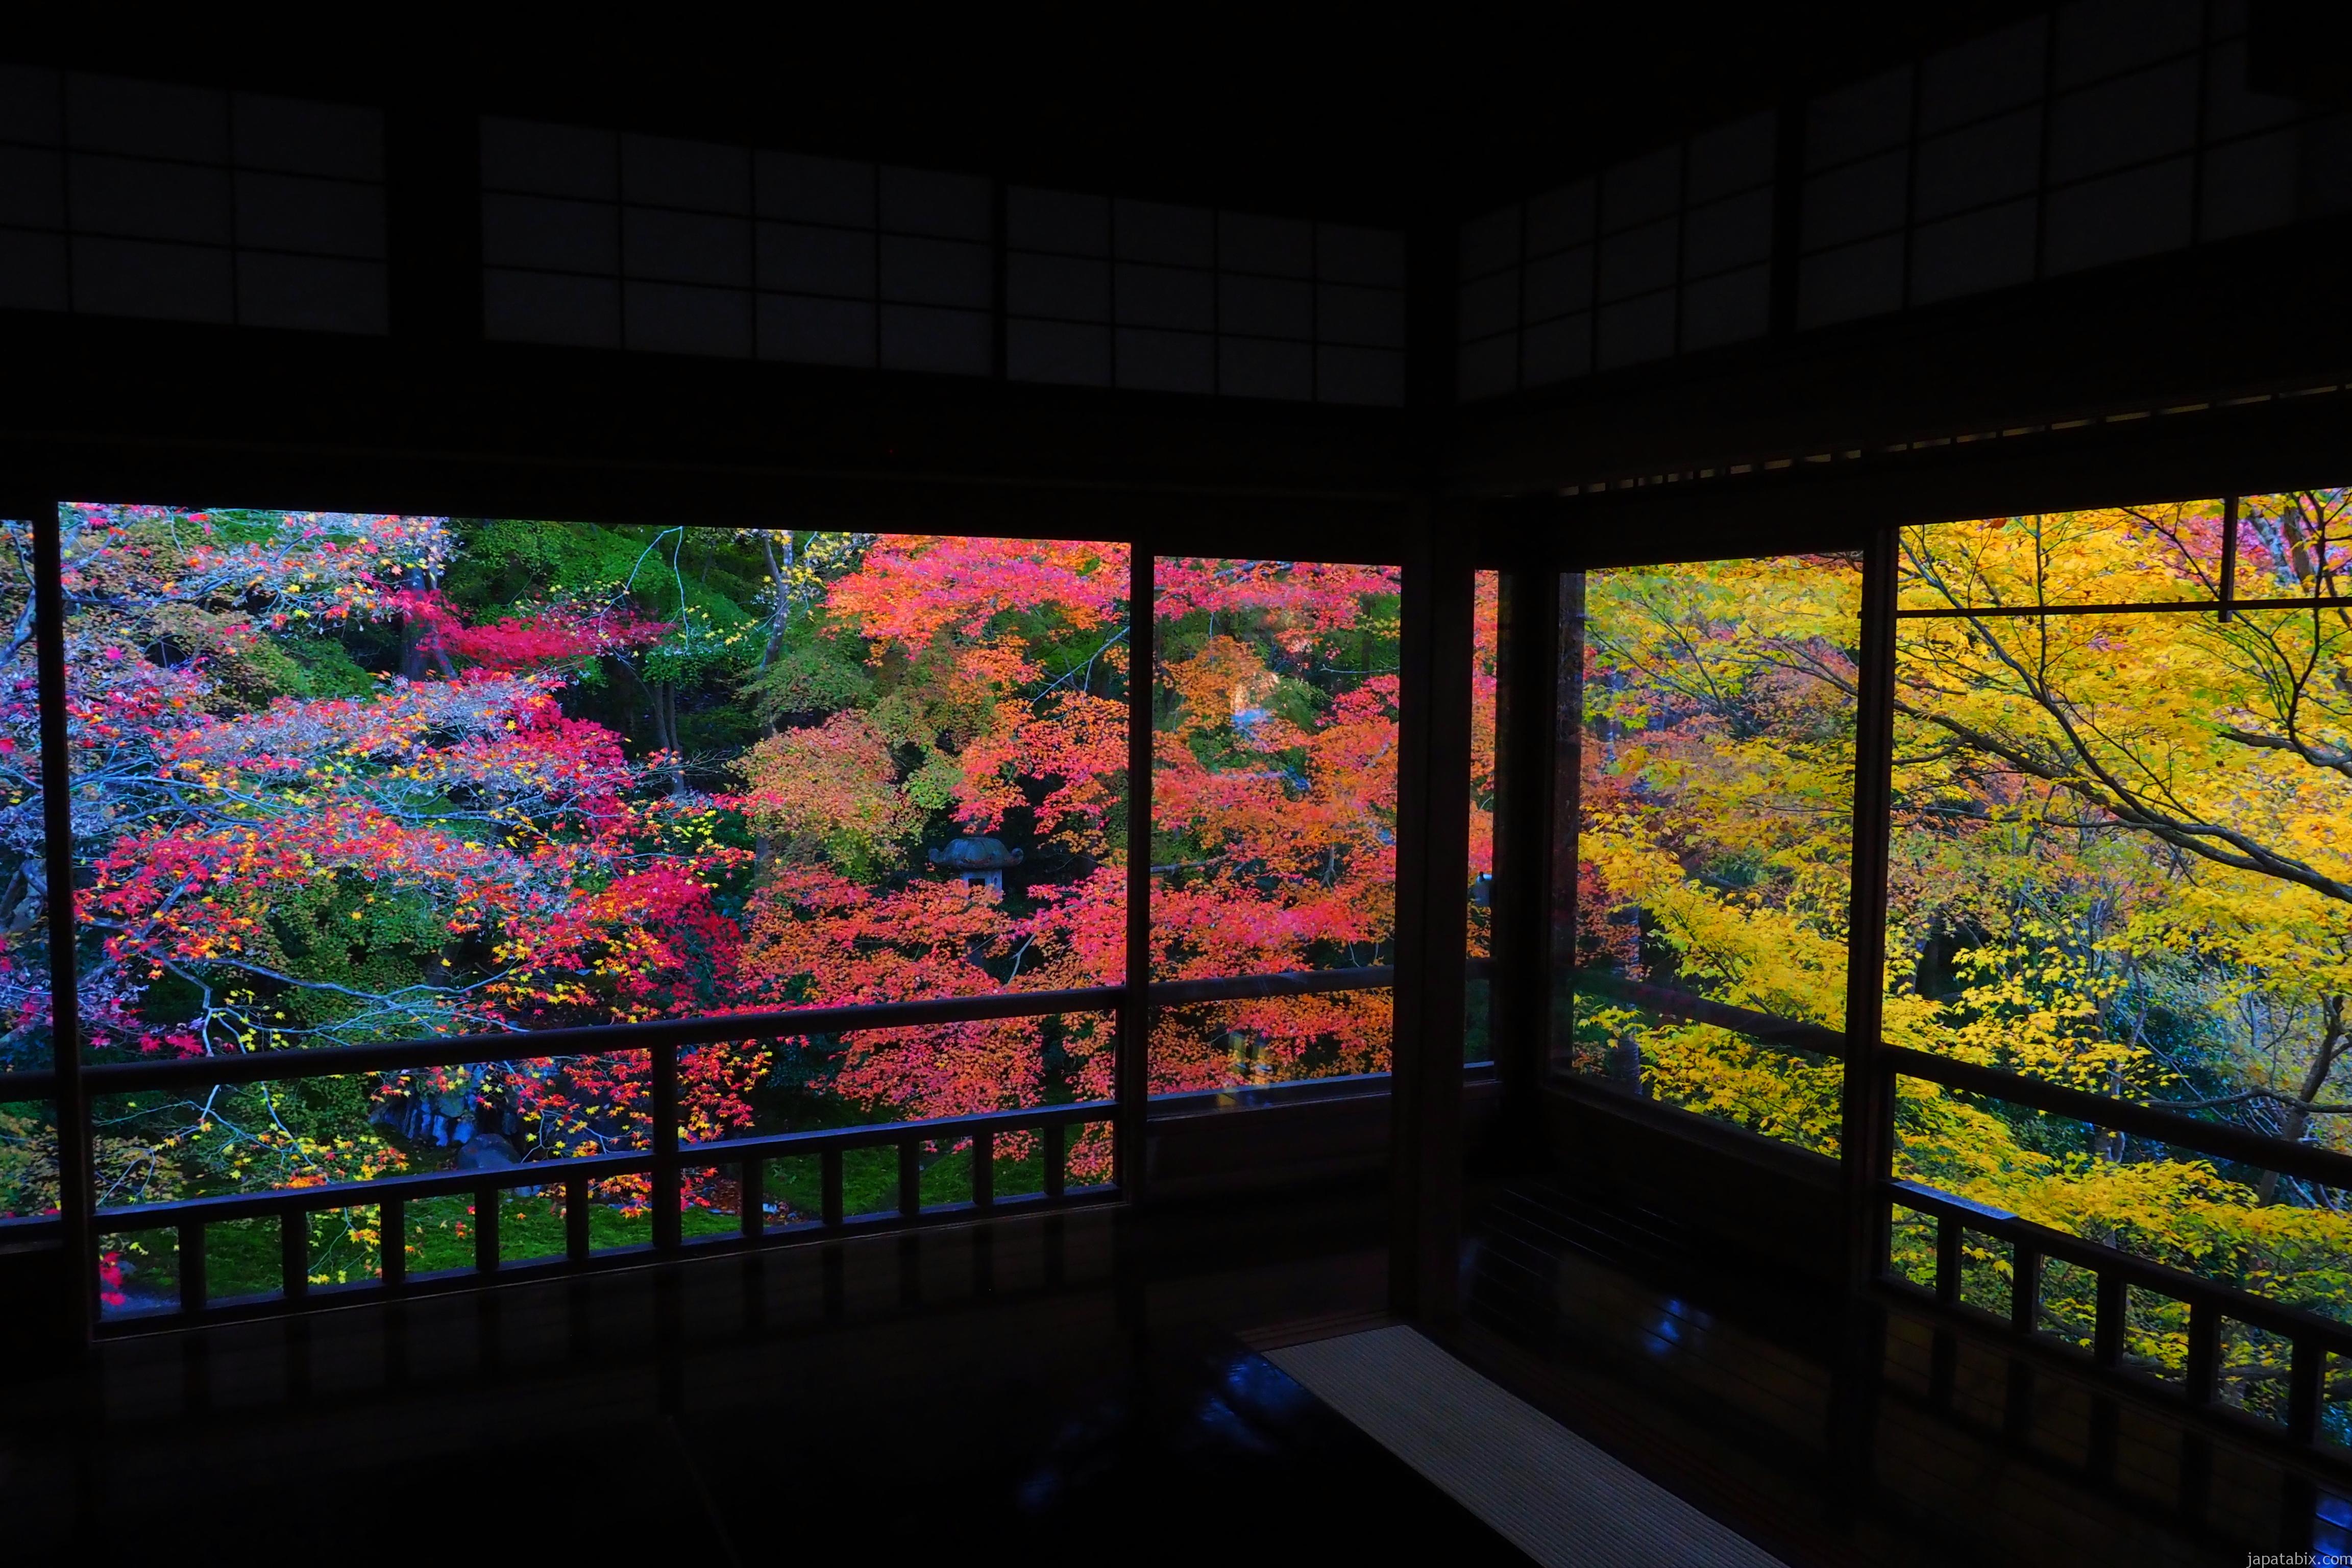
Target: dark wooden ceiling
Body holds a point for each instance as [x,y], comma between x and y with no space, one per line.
[1406,116]
[1369,112]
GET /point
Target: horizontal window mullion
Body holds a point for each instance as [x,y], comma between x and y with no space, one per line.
[114,1077]
[2151,607]
[2219,1140]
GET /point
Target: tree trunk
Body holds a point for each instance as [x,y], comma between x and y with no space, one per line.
[414,643]
[412,650]
[665,732]
[2110,1142]
[780,569]
[2298,1111]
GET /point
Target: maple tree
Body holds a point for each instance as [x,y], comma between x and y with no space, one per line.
[28,1175]
[1273,824]
[2117,865]
[344,778]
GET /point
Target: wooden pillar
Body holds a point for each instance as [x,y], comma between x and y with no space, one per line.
[1132,1073]
[1866,1133]
[1527,744]
[1433,925]
[75,1192]
[1566,782]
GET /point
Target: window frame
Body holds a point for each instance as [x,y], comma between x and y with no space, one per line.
[1384,529]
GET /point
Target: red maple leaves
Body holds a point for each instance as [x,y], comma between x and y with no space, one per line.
[458,851]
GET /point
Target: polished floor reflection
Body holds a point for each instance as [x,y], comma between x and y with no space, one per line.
[1038,1389]
[1091,1384]
[1748,1397]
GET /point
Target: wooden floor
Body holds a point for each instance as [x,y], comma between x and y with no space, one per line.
[1730,1391]
[1037,1389]
[1044,1387]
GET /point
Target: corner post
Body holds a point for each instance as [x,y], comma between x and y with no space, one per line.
[1526,717]
[1866,1131]
[1867,1126]
[1432,922]
[77,1223]
[1132,1074]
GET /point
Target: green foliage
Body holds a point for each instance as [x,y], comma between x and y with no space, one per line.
[500,560]
[28,1158]
[348,934]
[322,667]
[2117,865]
[809,678]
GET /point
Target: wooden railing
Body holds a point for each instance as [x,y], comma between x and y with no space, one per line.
[2311,1338]
[663,1164]
[747,1157]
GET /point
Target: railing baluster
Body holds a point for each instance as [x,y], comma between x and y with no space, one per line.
[751,1198]
[2305,1374]
[2204,1351]
[486,1229]
[828,1164]
[192,1266]
[1948,1259]
[1057,1159]
[294,1254]
[392,1242]
[191,1219]
[662,1042]
[2312,1342]
[575,1218]
[666,1234]
[2107,1327]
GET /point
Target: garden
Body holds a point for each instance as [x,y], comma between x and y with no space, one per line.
[341,779]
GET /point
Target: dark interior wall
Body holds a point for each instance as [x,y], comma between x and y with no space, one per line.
[2103,208]
[2300,438]
[169,412]
[1405,118]
[409,405]
[1773,1208]
[2249,317]
[1367,114]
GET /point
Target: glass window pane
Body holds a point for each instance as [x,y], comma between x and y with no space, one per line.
[1485,650]
[28,1133]
[2294,545]
[347,779]
[28,1159]
[2160,553]
[2118,865]
[1274,812]
[2116,862]
[1714,708]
